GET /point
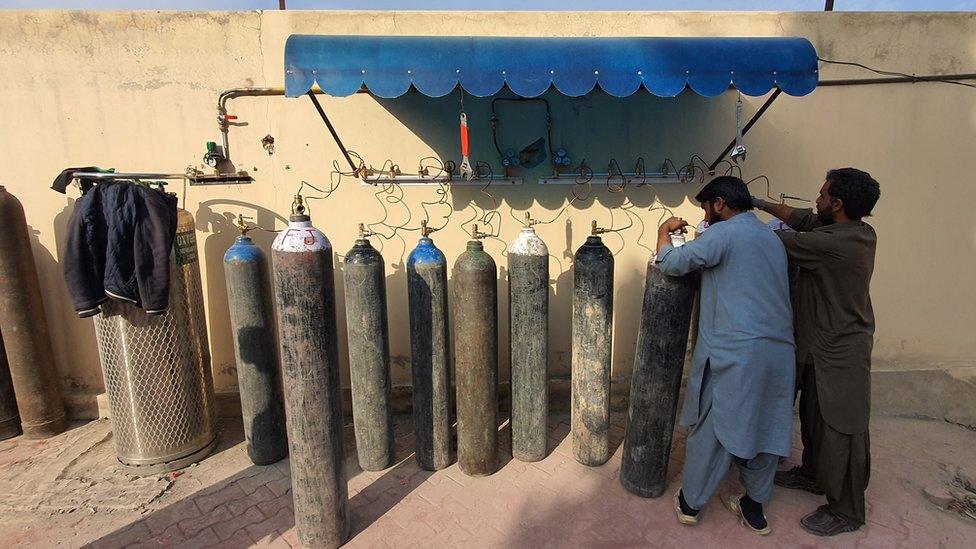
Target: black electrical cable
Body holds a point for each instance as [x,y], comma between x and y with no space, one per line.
[895,73]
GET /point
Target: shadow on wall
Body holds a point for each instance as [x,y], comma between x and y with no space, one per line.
[594,128]
[211,218]
[72,338]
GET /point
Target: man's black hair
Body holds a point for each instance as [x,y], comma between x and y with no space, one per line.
[856,189]
[732,189]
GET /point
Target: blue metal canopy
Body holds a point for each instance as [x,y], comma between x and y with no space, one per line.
[388,65]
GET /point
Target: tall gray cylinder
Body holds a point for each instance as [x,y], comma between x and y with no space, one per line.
[303,282]
[369,355]
[255,347]
[28,345]
[430,355]
[661,345]
[476,345]
[592,347]
[9,418]
[528,296]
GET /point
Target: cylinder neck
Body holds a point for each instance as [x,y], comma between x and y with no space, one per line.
[362,243]
[594,240]
[299,222]
[244,239]
[475,246]
[425,241]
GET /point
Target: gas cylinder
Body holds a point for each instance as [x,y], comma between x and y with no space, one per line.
[9,418]
[430,354]
[301,257]
[27,343]
[255,347]
[592,346]
[369,353]
[661,345]
[476,345]
[528,298]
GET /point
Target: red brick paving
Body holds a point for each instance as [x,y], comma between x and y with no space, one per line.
[555,502]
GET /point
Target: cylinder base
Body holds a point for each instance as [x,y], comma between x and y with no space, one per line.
[10,427]
[172,465]
[45,430]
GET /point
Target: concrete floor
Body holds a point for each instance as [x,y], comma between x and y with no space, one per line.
[69,491]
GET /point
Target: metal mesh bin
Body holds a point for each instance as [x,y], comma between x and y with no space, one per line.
[157,371]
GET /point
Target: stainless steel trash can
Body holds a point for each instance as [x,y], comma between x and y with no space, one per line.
[157,371]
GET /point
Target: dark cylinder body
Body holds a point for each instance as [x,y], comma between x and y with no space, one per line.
[303,282]
[592,347]
[255,346]
[476,345]
[661,346]
[369,355]
[9,418]
[26,339]
[430,355]
[528,296]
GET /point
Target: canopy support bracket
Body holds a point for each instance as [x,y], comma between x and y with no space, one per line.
[328,124]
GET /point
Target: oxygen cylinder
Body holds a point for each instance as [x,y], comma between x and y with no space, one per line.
[476,345]
[255,347]
[9,417]
[592,346]
[28,346]
[661,345]
[430,354]
[369,354]
[528,297]
[303,280]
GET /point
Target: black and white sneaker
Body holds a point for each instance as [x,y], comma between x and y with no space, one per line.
[752,515]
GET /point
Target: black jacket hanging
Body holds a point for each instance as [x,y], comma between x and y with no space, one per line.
[120,236]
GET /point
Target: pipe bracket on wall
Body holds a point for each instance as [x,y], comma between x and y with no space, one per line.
[616,179]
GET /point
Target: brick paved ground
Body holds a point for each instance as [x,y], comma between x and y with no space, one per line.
[225,501]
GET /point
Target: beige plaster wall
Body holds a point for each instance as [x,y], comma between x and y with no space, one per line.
[137,91]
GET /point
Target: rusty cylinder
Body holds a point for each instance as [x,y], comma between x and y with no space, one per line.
[9,417]
[528,297]
[592,346]
[255,347]
[430,355]
[27,343]
[661,345]
[303,281]
[369,355]
[476,345]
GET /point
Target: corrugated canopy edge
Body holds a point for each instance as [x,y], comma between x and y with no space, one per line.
[388,66]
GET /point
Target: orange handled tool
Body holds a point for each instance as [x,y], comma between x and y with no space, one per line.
[466,171]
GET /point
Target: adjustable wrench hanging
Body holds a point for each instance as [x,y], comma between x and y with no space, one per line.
[466,171]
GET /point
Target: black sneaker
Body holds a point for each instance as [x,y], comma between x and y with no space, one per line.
[823,522]
[794,479]
[754,521]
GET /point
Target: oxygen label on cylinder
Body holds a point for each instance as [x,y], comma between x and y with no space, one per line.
[185,248]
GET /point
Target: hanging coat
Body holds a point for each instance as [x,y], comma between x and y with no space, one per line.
[745,334]
[118,245]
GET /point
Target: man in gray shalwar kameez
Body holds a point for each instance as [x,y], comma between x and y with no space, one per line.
[739,401]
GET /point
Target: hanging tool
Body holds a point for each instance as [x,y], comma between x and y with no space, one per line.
[739,152]
[466,171]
